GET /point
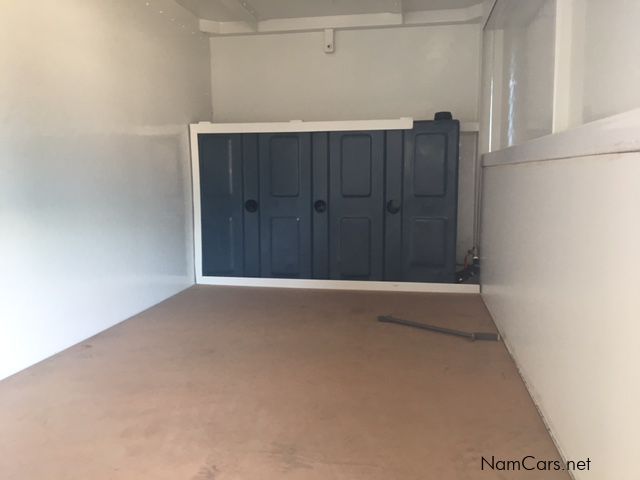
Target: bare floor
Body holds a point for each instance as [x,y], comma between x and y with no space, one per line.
[243,384]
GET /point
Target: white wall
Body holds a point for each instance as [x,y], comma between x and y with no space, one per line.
[519,69]
[608,45]
[560,276]
[377,73]
[95,98]
[551,65]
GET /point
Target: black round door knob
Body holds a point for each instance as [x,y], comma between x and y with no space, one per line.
[393,207]
[320,206]
[251,206]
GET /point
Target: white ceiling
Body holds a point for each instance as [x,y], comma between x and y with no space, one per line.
[243,10]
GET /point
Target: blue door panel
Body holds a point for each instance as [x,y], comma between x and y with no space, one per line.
[221,204]
[285,205]
[430,200]
[356,206]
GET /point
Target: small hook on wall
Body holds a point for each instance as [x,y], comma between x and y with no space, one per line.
[329,40]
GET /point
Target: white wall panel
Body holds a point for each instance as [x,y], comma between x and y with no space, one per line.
[610,51]
[95,213]
[559,275]
[377,73]
[518,72]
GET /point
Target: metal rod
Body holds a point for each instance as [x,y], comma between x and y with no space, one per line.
[447,331]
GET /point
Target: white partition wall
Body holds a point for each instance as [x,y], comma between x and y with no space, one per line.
[560,279]
[95,101]
[560,228]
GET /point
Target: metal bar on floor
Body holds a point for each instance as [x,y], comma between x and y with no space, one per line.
[473,336]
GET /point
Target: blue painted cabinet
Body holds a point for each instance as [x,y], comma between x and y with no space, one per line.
[369,205]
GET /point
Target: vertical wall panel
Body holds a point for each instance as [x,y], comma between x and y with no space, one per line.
[520,39]
[571,319]
[95,181]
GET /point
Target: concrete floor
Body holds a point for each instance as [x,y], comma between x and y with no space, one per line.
[260,384]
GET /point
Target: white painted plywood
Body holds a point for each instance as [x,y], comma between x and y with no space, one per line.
[95,209]
[373,74]
[559,275]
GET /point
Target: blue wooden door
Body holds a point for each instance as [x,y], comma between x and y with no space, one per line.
[430,199]
[356,206]
[285,205]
